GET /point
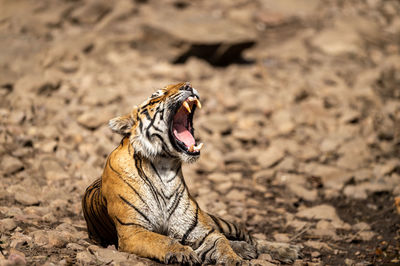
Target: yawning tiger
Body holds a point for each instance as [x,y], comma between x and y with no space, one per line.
[141,203]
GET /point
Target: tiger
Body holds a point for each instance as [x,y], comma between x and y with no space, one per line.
[141,203]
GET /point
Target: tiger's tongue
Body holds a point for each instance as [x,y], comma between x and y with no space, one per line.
[181,133]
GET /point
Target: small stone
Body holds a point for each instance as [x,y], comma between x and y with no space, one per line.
[18,240]
[301,192]
[7,225]
[218,123]
[75,247]
[297,224]
[281,237]
[315,254]
[39,238]
[16,257]
[224,187]
[106,255]
[218,177]
[263,175]
[260,236]
[13,212]
[320,212]
[361,226]
[10,164]
[85,258]
[265,256]
[349,262]
[259,262]
[25,198]
[236,195]
[271,156]
[317,245]
[59,239]
[324,228]
[92,120]
[53,169]
[365,235]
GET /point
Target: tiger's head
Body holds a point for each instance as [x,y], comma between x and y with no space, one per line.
[163,124]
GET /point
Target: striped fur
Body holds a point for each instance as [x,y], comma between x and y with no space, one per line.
[142,204]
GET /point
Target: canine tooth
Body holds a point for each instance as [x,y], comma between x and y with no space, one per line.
[191,148]
[197,101]
[198,147]
[186,105]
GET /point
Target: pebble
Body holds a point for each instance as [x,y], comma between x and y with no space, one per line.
[7,225]
[26,199]
[107,256]
[16,257]
[259,262]
[236,195]
[10,164]
[85,258]
[320,212]
[281,237]
[271,156]
[301,192]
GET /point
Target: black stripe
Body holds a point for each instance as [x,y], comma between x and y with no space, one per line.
[174,192]
[127,224]
[176,173]
[215,219]
[204,238]
[203,256]
[93,214]
[126,182]
[155,170]
[227,224]
[136,209]
[237,235]
[175,203]
[146,113]
[152,101]
[138,164]
[192,226]
[151,124]
[164,145]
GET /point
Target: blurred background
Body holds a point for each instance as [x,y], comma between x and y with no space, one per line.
[300,118]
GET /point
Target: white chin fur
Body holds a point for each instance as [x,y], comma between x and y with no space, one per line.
[188,158]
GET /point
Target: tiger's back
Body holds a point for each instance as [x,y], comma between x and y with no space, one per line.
[101,228]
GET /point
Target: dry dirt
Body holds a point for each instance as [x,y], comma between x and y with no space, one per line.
[301,118]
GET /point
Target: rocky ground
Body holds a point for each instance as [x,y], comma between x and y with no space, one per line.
[301,118]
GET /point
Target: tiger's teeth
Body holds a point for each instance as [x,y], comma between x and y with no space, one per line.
[191,148]
[197,101]
[198,147]
[186,105]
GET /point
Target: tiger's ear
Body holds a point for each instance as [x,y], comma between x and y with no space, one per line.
[123,124]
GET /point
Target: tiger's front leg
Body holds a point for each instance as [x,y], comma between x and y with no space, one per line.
[239,239]
[215,248]
[136,239]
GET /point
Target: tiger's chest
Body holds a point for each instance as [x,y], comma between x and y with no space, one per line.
[167,204]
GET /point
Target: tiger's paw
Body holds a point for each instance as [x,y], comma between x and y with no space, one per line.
[244,250]
[280,251]
[182,255]
[231,260]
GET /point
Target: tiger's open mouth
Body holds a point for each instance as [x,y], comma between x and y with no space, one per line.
[182,131]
